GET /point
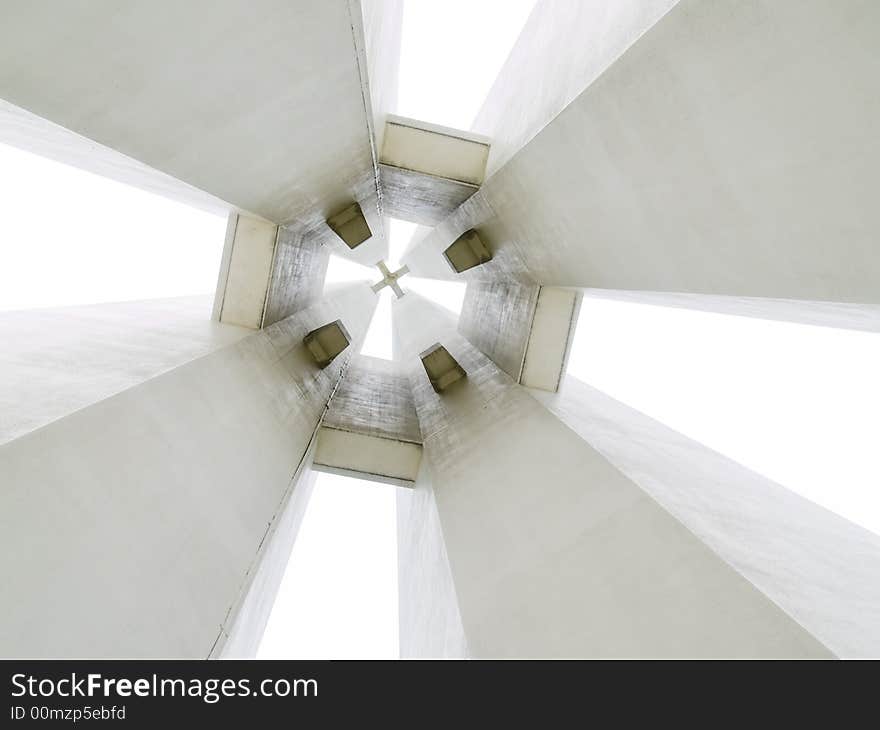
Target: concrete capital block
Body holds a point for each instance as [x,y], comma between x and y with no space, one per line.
[326,342]
[467,251]
[350,225]
[443,369]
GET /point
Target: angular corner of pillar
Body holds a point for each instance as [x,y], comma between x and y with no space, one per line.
[327,342]
[350,225]
[245,271]
[427,171]
[443,370]
[466,252]
[550,338]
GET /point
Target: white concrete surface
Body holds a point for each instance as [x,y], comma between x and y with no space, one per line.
[821,569]
[564,46]
[131,527]
[245,271]
[719,154]
[19,128]
[262,104]
[55,361]
[368,456]
[430,622]
[554,551]
[549,338]
[451,153]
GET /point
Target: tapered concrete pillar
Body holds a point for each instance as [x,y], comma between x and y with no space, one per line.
[719,154]
[137,525]
[818,567]
[554,552]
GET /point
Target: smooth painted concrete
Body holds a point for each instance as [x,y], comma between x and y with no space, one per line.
[550,338]
[453,154]
[383,24]
[130,528]
[19,128]
[245,270]
[430,622]
[730,151]
[820,568]
[563,47]
[57,360]
[268,114]
[373,458]
[555,552]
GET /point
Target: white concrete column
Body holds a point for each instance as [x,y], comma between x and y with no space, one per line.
[60,359]
[135,526]
[719,154]
[555,552]
[820,568]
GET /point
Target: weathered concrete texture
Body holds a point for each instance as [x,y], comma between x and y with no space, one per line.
[563,47]
[863,317]
[555,552]
[58,360]
[430,622]
[820,568]
[425,255]
[106,513]
[496,317]
[297,273]
[700,161]
[420,198]
[272,113]
[427,171]
[375,398]
[371,427]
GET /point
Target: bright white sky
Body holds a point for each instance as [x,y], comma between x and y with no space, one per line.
[71,237]
[797,403]
[451,53]
[338,597]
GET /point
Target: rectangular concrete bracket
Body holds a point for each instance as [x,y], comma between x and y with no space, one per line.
[549,338]
[427,171]
[245,271]
[367,456]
